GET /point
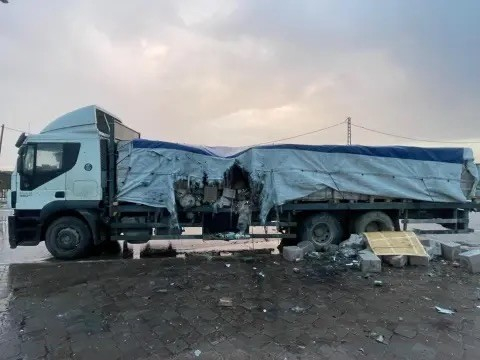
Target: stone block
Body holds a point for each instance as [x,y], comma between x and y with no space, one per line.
[292,253]
[306,246]
[397,261]
[355,241]
[418,260]
[369,262]
[471,260]
[450,250]
[432,247]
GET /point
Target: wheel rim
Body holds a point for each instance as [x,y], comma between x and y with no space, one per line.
[321,234]
[68,239]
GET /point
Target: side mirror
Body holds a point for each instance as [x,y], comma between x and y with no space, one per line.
[21,140]
[20,160]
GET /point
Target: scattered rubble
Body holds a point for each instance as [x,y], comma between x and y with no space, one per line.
[297,309]
[369,262]
[306,247]
[225,302]
[450,250]
[444,311]
[292,253]
[471,260]
[348,252]
[355,241]
[432,247]
[332,248]
[397,261]
[356,253]
[380,339]
[418,260]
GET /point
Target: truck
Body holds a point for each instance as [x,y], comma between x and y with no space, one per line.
[87,180]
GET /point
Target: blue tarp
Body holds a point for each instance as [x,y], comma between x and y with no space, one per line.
[148,171]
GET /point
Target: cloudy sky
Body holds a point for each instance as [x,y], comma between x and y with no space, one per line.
[239,72]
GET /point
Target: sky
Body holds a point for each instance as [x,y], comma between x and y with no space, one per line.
[243,72]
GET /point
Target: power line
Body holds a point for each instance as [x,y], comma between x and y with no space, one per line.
[415,139]
[12,129]
[303,134]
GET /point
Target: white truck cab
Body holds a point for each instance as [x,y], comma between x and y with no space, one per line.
[61,178]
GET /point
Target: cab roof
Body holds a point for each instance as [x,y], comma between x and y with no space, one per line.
[82,117]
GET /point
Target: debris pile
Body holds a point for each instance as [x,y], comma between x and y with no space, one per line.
[398,249]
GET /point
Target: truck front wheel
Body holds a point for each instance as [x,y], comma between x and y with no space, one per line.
[68,238]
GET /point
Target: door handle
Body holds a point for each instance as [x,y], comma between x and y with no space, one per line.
[60,194]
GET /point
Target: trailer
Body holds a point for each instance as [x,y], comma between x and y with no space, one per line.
[88,180]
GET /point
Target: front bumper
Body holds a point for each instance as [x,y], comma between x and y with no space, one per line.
[23,231]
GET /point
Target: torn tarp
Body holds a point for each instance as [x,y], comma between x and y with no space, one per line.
[149,172]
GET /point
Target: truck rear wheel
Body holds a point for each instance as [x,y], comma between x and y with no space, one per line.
[68,238]
[322,230]
[373,221]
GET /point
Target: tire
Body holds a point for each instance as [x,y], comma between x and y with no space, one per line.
[68,238]
[322,230]
[373,221]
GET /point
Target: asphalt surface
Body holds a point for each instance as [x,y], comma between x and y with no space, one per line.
[168,308]
[107,307]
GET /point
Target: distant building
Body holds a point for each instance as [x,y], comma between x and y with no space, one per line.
[5,181]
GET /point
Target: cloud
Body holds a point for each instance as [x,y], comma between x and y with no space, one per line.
[243,72]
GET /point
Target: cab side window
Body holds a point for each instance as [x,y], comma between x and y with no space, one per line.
[42,162]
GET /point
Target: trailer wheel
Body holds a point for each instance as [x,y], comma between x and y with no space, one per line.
[373,221]
[68,238]
[322,230]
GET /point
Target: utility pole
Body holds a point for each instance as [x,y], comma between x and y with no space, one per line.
[1,137]
[349,130]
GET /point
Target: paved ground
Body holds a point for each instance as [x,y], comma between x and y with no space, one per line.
[166,308]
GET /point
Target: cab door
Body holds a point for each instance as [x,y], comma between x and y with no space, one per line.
[42,173]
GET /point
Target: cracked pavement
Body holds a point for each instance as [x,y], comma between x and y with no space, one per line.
[168,308]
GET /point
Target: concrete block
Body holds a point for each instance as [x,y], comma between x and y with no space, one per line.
[450,251]
[306,246]
[292,253]
[434,247]
[369,262]
[471,260]
[418,260]
[397,261]
[355,241]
